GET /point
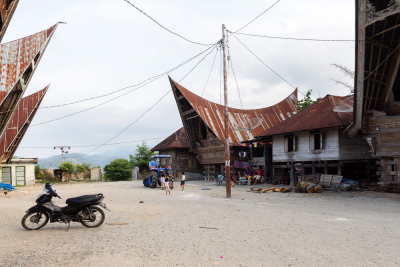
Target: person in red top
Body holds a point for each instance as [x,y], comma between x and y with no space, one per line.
[260,171]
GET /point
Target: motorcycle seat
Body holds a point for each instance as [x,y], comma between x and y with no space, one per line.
[76,201]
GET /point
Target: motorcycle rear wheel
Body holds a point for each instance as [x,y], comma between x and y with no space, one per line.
[29,221]
[98,217]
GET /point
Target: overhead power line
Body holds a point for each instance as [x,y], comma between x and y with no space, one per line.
[234,75]
[256,17]
[297,39]
[265,64]
[112,144]
[143,83]
[216,52]
[126,128]
[159,24]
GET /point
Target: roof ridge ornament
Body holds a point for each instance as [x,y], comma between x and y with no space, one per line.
[373,16]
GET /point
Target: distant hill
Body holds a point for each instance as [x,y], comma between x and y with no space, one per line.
[101,159]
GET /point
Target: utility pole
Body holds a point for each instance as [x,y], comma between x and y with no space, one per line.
[227,144]
[63,151]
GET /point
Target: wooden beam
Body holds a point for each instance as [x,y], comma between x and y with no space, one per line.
[192,117]
[391,28]
[188,111]
[360,63]
[392,74]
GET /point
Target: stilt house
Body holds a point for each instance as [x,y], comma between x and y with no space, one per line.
[203,123]
[315,141]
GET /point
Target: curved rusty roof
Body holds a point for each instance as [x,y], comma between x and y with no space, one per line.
[175,140]
[319,115]
[16,56]
[213,114]
[19,124]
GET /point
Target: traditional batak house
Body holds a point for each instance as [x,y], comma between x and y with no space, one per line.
[182,160]
[7,8]
[377,82]
[204,126]
[314,141]
[19,60]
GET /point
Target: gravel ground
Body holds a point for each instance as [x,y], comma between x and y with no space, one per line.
[271,229]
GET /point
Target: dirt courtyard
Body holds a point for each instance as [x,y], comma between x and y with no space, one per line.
[271,229]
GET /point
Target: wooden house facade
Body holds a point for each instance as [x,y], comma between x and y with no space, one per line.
[204,126]
[377,83]
[314,142]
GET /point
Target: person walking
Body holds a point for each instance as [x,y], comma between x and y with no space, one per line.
[183,180]
[162,181]
[167,186]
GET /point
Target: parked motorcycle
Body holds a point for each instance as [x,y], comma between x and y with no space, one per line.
[83,209]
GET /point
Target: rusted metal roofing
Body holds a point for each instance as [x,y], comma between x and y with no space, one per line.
[175,140]
[16,56]
[18,62]
[20,122]
[317,116]
[213,114]
[7,8]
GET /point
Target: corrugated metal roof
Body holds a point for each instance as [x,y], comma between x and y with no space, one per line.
[213,115]
[7,8]
[16,56]
[20,122]
[175,140]
[317,116]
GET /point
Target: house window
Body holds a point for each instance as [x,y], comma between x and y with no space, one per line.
[290,143]
[316,141]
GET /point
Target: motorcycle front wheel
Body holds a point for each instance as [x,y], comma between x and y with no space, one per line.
[94,218]
[34,220]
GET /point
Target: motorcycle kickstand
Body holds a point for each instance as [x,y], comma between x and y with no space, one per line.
[69,224]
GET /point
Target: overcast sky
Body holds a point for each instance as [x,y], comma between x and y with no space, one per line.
[108,45]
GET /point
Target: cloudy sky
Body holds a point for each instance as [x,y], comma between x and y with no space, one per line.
[109,45]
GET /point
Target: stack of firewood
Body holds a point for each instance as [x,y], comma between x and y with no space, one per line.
[304,187]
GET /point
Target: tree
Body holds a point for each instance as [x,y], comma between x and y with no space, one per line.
[306,101]
[67,166]
[142,156]
[82,167]
[39,172]
[118,170]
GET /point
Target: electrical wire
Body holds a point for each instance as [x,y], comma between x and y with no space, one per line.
[297,39]
[145,82]
[112,144]
[268,66]
[165,27]
[232,33]
[237,85]
[126,128]
[216,52]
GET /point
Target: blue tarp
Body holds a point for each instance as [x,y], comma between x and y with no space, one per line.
[7,187]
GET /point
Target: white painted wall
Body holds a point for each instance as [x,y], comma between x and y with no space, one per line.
[330,149]
[29,172]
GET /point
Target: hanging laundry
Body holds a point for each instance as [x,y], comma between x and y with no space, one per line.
[236,164]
